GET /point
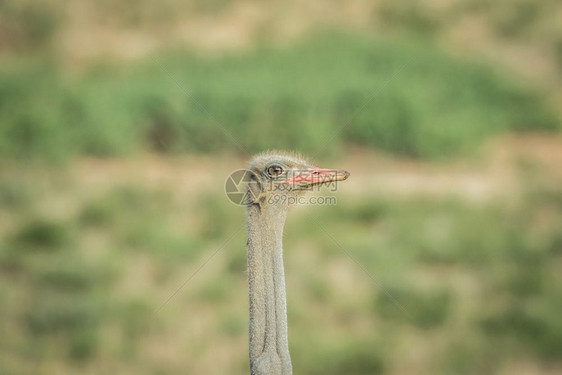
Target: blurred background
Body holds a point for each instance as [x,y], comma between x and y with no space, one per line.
[113,158]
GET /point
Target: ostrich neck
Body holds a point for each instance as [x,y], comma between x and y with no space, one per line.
[269,348]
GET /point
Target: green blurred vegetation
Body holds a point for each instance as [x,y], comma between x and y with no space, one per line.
[84,269]
[297,98]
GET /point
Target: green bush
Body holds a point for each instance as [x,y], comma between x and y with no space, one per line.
[41,234]
[539,331]
[61,313]
[352,357]
[410,15]
[306,97]
[83,344]
[426,309]
[68,272]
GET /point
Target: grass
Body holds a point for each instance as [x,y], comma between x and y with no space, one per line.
[435,107]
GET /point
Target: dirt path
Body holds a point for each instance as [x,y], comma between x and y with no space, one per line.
[495,173]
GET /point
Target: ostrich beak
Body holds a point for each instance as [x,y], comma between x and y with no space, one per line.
[315,176]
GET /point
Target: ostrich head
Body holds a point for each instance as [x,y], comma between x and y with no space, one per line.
[279,176]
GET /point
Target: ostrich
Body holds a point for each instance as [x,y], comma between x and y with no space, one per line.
[277,179]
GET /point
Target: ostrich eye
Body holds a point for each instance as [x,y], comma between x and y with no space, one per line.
[274,170]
